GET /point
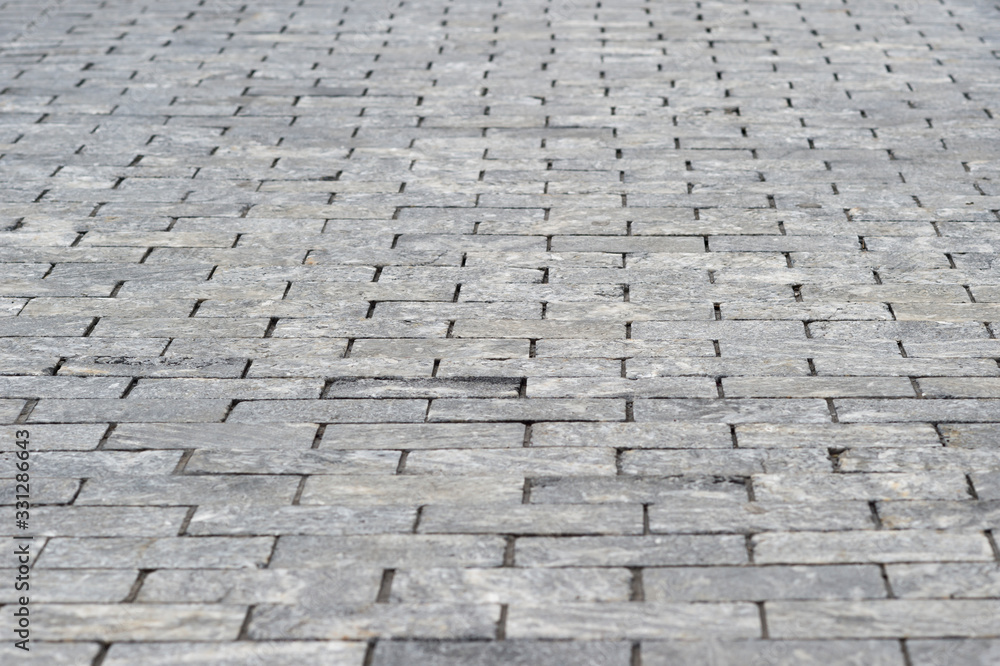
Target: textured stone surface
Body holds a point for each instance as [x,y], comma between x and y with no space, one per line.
[762,583]
[937,618]
[512,652]
[534,332]
[278,653]
[624,620]
[775,653]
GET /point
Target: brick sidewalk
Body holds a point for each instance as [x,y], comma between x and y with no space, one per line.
[475,333]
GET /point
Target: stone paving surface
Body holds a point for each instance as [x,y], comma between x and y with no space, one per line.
[520,332]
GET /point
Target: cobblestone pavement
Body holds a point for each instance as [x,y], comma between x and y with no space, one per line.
[519,332]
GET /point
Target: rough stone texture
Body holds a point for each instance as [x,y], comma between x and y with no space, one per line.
[533,332]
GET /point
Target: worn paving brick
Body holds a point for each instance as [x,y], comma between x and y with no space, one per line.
[762,583]
[402,620]
[938,618]
[871,546]
[549,653]
[533,519]
[512,585]
[702,514]
[157,553]
[352,584]
[611,620]
[775,652]
[139,622]
[279,653]
[57,654]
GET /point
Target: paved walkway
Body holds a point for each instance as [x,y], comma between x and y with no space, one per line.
[518,332]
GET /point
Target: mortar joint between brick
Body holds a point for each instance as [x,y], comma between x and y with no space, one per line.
[904,651]
[764,632]
[385,586]
[636,654]
[102,653]
[243,634]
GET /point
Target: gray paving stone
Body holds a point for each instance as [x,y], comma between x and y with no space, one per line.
[74,346]
[487,387]
[883,618]
[634,435]
[153,366]
[529,367]
[719,461]
[10,410]
[190,327]
[388,551]
[538,409]
[954,650]
[762,583]
[423,436]
[452,348]
[643,368]
[513,652]
[107,586]
[801,487]
[97,410]
[944,580]
[225,436]
[732,515]
[279,461]
[119,521]
[511,585]
[57,654]
[532,519]
[362,490]
[184,490]
[427,621]
[835,435]
[625,349]
[942,459]
[252,586]
[138,622]
[329,411]
[874,546]
[101,464]
[322,367]
[312,520]
[908,367]
[55,326]
[817,387]
[278,653]
[620,387]
[63,437]
[625,551]
[646,489]
[987,484]
[157,553]
[882,411]
[971,435]
[775,652]
[33,365]
[237,389]
[964,514]
[44,491]
[61,387]
[732,410]
[615,620]
[482,462]
[539,328]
